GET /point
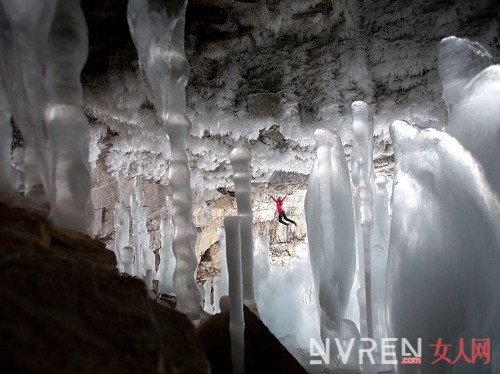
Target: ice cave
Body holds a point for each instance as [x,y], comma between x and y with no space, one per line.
[212,186]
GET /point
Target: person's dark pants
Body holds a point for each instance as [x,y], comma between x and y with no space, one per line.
[282,218]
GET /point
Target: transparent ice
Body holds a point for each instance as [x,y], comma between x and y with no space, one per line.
[158,34]
[236,319]
[167,259]
[240,162]
[66,125]
[26,25]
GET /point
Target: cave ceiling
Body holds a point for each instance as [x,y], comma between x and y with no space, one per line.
[265,74]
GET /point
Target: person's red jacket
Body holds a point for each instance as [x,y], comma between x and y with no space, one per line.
[279,203]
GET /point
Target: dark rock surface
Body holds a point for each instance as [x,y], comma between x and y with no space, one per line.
[65,309]
[263,351]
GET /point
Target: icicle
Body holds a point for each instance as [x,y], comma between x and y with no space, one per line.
[240,161]
[236,321]
[158,34]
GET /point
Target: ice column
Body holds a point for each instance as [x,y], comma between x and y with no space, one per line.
[475,122]
[379,250]
[158,34]
[25,28]
[136,229]
[122,223]
[6,179]
[236,317]
[144,256]
[459,60]
[221,283]
[67,127]
[207,287]
[167,258]
[444,254]
[362,170]
[240,161]
[330,230]
[128,257]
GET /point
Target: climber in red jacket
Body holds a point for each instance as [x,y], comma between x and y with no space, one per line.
[282,215]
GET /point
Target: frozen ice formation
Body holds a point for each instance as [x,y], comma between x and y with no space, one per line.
[157,30]
[221,283]
[66,124]
[167,259]
[23,41]
[240,161]
[122,223]
[44,48]
[7,190]
[144,259]
[459,60]
[444,255]
[475,121]
[362,174]
[330,231]
[232,227]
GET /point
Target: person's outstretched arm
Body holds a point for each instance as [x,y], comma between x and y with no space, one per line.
[272,197]
[284,198]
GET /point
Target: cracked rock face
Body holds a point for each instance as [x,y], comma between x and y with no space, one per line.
[264,75]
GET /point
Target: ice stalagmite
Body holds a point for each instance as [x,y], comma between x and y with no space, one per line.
[221,283]
[66,124]
[475,121]
[136,229]
[330,230]
[167,259]
[240,161]
[6,179]
[459,60]
[379,250]
[25,28]
[157,29]
[144,256]
[236,321]
[122,223]
[444,254]
[362,173]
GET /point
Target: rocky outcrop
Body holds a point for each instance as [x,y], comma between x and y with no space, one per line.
[65,308]
[263,351]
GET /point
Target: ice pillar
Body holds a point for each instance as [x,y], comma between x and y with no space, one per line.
[444,254]
[459,60]
[122,223]
[236,316]
[167,258]
[67,127]
[475,121]
[240,161]
[25,29]
[362,170]
[6,178]
[330,230]
[157,30]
